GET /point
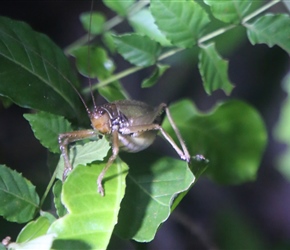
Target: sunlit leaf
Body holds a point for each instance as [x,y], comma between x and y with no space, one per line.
[151,189]
[19,200]
[93,22]
[144,24]
[213,70]
[84,154]
[60,208]
[181,21]
[230,11]
[34,229]
[270,29]
[34,71]
[91,217]
[121,7]
[43,242]
[137,49]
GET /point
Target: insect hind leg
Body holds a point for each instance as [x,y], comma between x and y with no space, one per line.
[183,153]
[186,155]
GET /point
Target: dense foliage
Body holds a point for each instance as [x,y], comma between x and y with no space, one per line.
[138,200]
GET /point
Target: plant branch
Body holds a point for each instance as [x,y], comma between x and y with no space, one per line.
[176,50]
[260,10]
[116,20]
[113,78]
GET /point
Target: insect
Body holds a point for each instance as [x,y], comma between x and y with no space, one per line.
[131,126]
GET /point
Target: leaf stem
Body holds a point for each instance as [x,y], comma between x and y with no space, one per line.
[223,29]
[167,54]
[48,188]
[137,6]
[113,78]
[215,33]
[260,10]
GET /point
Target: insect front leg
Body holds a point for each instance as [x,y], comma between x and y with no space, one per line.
[67,138]
[115,152]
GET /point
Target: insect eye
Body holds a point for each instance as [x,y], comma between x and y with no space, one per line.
[101,112]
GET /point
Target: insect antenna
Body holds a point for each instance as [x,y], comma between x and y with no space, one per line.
[89,56]
[88,67]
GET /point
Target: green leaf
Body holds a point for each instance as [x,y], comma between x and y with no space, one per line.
[19,200]
[231,11]
[137,49]
[149,194]
[91,217]
[144,24]
[232,137]
[47,127]
[213,70]
[93,22]
[93,62]
[282,131]
[60,208]
[272,30]
[157,73]
[181,21]
[197,166]
[108,40]
[34,229]
[113,92]
[99,65]
[119,6]
[84,154]
[48,216]
[34,71]
[43,242]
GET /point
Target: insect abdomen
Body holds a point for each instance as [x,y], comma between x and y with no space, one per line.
[135,143]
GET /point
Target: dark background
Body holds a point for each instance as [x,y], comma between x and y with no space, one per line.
[256,212]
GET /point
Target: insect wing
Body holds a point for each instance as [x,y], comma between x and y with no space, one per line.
[138,113]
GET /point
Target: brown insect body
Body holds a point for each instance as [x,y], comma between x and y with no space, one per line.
[124,115]
[131,126]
